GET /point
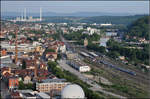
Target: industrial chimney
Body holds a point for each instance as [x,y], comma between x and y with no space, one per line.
[25,14]
[40,14]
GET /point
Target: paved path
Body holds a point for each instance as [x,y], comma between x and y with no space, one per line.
[95,86]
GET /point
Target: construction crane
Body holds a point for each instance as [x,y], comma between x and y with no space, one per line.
[35,63]
[16,46]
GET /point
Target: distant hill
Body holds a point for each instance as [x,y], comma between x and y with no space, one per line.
[84,17]
[76,14]
[125,20]
[139,28]
[112,19]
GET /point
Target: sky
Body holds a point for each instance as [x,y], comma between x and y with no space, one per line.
[134,7]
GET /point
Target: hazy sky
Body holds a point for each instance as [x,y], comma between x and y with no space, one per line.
[134,7]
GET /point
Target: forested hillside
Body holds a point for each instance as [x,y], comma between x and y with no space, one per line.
[139,28]
[125,20]
[112,19]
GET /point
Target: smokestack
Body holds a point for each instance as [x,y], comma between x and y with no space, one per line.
[21,16]
[25,14]
[40,14]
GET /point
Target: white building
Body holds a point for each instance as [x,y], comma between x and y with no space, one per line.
[80,66]
[107,24]
[111,33]
[21,47]
[62,48]
[92,30]
[103,41]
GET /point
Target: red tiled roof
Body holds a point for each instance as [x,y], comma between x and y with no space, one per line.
[51,53]
[15,95]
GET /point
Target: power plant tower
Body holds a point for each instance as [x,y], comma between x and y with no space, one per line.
[25,14]
[40,14]
[25,18]
[22,16]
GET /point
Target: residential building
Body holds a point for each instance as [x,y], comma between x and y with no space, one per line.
[85,42]
[103,41]
[49,85]
[13,82]
[27,79]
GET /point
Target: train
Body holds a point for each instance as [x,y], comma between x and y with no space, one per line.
[93,56]
[117,68]
[89,54]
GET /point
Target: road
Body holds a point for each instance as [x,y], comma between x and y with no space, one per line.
[95,86]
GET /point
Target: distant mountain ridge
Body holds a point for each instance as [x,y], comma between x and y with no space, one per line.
[80,14]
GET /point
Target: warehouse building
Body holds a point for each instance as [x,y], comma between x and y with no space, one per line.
[78,65]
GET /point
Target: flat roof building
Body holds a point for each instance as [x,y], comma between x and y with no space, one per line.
[80,66]
[49,85]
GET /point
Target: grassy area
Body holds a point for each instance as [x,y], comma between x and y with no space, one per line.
[120,86]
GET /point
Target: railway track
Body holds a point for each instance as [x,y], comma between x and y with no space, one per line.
[139,75]
[139,78]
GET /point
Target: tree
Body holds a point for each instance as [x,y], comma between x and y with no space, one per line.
[21,85]
[50,50]
[113,54]
[23,64]
[139,28]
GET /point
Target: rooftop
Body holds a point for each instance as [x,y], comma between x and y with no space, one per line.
[28,95]
[43,95]
[53,80]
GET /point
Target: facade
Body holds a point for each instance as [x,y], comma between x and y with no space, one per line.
[3,52]
[85,42]
[80,66]
[27,79]
[107,24]
[21,47]
[49,85]
[13,82]
[103,41]
[5,61]
[62,48]
[111,33]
